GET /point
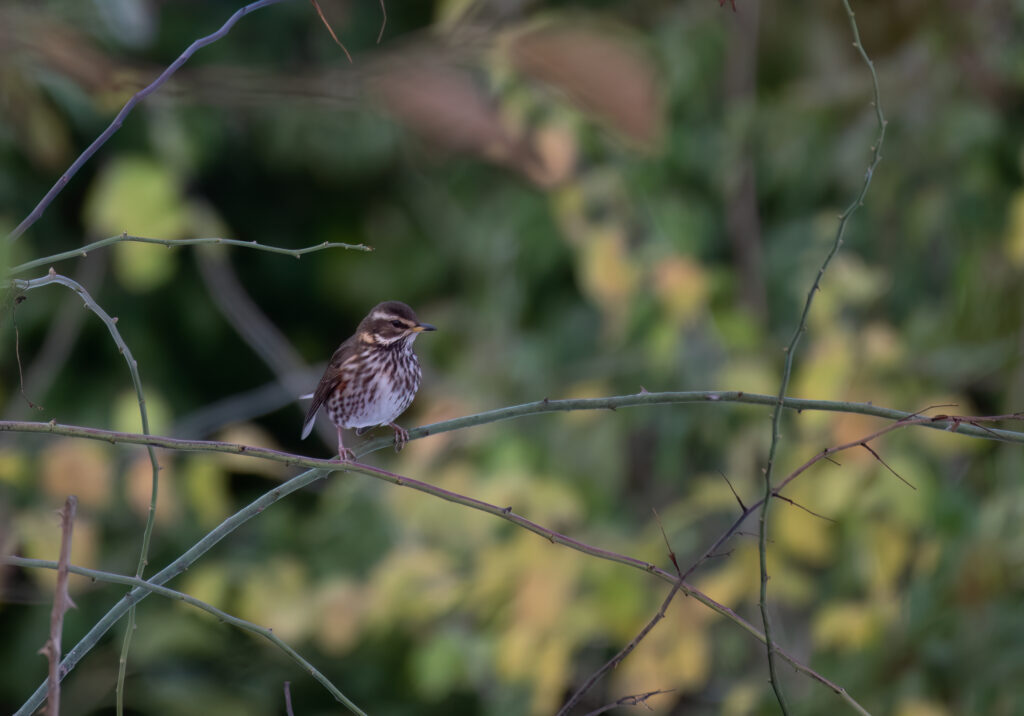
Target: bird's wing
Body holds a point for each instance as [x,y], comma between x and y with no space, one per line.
[334,376]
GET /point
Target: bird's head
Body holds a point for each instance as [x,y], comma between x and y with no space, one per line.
[390,322]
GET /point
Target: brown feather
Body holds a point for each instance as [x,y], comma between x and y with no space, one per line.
[331,380]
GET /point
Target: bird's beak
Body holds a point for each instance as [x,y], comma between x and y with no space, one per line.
[420,327]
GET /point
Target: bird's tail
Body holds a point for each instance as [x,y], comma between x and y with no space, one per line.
[308,427]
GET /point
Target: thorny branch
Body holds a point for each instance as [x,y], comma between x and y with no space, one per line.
[150,587]
[61,603]
[321,468]
[787,370]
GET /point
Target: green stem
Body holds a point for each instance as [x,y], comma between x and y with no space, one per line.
[223,616]
[133,368]
[174,243]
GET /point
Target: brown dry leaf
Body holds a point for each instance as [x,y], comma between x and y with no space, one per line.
[445,106]
[602,71]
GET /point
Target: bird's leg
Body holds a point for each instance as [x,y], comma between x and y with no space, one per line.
[344,453]
[401,436]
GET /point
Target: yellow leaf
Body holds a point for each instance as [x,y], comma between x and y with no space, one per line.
[921,707]
[143,197]
[14,466]
[595,388]
[550,674]
[845,626]
[737,579]
[206,491]
[887,553]
[809,538]
[39,535]
[127,418]
[676,654]
[207,582]
[607,273]
[412,585]
[276,595]
[681,286]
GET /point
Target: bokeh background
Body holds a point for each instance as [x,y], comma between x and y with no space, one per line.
[587,199]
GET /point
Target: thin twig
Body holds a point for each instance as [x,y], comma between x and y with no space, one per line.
[623,653]
[288,699]
[330,29]
[17,354]
[129,105]
[153,588]
[886,465]
[383,21]
[808,510]
[634,700]
[626,650]
[788,368]
[61,603]
[175,243]
[743,508]
[61,335]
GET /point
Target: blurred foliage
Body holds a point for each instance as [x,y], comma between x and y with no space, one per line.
[561,188]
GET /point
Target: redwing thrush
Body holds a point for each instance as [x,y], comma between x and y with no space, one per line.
[373,376]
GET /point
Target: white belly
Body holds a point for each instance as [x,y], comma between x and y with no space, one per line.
[372,398]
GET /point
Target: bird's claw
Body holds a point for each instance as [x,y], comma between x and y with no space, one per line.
[346,455]
[401,436]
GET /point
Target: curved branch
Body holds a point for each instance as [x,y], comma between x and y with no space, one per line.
[223,616]
[133,367]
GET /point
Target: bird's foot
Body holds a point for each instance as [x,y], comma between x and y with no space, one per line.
[346,455]
[401,436]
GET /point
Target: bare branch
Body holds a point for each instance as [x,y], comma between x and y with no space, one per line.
[330,29]
[743,508]
[150,587]
[626,650]
[61,603]
[635,700]
[886,465]
[805,509]
[288,699]
[175,243]
[129,105]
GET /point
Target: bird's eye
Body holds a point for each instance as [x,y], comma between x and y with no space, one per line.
[398,324]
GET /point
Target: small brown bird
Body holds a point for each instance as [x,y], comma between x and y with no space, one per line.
[373,376]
